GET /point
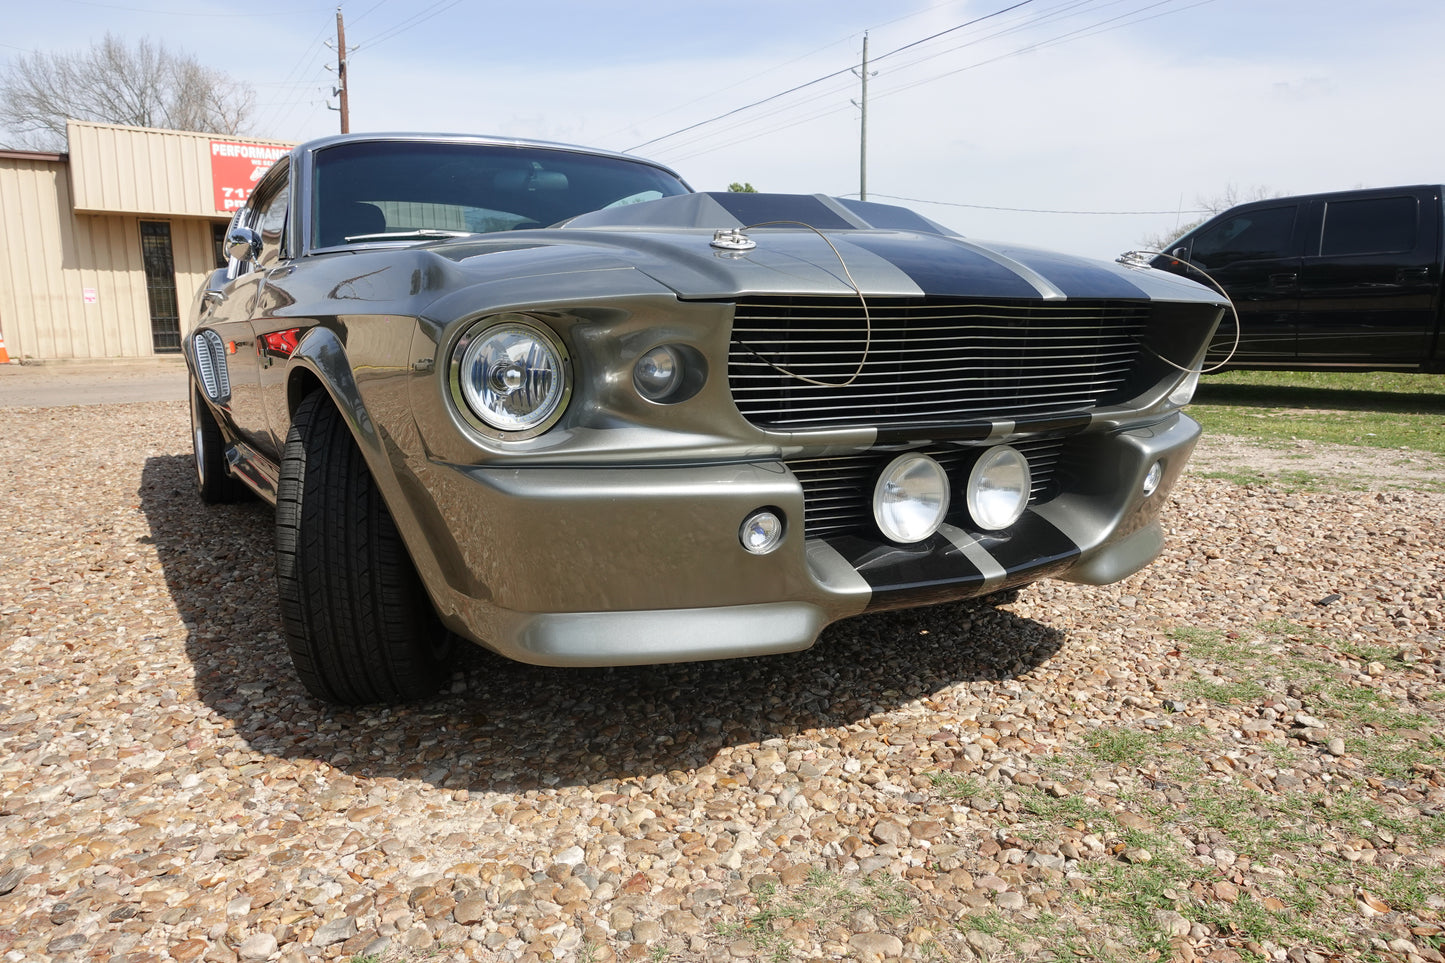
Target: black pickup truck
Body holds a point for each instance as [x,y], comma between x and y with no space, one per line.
[1326,281]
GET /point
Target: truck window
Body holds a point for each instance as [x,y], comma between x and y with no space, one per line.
[1375,225]
[1251,235]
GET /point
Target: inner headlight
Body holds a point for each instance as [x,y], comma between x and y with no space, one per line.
[998,488]
[658,373]
[514,376]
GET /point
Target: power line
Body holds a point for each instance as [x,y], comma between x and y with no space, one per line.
[1031,210]
[847,70]
[1068,37]
[1043,17]
[420,17]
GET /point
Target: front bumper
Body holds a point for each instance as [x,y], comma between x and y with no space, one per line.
[619,566]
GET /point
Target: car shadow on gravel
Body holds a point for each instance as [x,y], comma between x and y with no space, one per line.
[503,726]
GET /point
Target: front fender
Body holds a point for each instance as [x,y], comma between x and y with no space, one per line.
[373,397]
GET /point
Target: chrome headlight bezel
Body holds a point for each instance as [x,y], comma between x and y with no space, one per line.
[477,382]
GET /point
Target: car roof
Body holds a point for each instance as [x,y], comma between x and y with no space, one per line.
[489,140]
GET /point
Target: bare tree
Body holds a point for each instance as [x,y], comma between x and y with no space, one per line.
[1214,204]
[144,85]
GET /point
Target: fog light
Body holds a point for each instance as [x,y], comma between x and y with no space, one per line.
[762,532]
[1153,478]
[998,488]
[910,499]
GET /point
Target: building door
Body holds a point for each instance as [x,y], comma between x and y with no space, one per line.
[160,267]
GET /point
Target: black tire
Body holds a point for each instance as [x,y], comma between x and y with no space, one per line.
[358,622]
[214,481]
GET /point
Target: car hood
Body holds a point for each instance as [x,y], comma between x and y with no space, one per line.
[807,245]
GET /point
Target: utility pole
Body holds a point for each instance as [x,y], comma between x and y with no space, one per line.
[341,72]
[862,105]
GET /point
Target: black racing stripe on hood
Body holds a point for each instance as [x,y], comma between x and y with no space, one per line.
[945,269]
[800,208]
[1076,277]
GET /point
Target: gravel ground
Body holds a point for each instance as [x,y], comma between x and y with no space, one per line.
[1238,754]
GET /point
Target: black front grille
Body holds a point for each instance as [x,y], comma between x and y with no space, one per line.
[838,491]
[928,360]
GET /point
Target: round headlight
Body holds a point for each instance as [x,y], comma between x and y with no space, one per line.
[658,373]
[513,376]
[998,488]
[911,497]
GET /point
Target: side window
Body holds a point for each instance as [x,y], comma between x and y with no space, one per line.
[1376,225]
[1252,235]
[271,224]
[266,210]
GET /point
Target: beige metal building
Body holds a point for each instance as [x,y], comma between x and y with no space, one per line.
[102,249]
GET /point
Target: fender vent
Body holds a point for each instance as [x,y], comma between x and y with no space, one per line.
[211,365]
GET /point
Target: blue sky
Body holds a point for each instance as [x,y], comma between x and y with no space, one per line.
[1055,105]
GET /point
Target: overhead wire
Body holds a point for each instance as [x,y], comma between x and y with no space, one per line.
[818,80]
[416,19]
[1045,16]
[1068,37]
[1023,210]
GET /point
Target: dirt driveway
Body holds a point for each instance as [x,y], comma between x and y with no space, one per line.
[59,383]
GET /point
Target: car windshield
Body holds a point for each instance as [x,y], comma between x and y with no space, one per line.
[420,191]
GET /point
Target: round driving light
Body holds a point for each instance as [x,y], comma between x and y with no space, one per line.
[998,488]
[762,532]
[513,376]
[1153,478]
[910,499]
[658,373]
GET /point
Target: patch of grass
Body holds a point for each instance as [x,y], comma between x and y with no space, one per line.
[1290,482]
[1367,653]
[1368,409]
[1290,846]
[823,898]
[1224,693]
[1121,746]
[955,786]
[1212,644]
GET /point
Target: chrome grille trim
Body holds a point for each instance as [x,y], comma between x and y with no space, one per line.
[838,490]
[929,360]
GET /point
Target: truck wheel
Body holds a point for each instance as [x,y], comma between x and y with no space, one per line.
[358,622]
[214,481]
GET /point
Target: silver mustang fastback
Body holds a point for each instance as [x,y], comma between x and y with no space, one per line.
[552,401]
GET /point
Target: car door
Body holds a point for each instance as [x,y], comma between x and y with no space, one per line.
[246,300]
[1369,284]
[1254,254]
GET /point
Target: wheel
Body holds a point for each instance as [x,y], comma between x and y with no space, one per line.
[358,622]
[214,481]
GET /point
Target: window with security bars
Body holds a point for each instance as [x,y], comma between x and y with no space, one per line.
[160,269]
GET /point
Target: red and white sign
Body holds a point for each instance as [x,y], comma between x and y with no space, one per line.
[235,169]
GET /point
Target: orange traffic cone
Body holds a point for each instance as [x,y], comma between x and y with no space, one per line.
[4,355]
